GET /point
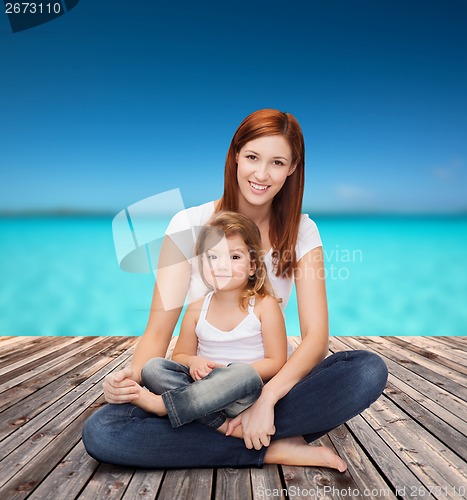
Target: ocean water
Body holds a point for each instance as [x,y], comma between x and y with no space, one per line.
[385,276]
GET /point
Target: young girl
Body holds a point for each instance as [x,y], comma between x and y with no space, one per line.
[230,342]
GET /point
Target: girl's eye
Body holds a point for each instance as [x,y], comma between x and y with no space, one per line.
[236,257]
[212,257]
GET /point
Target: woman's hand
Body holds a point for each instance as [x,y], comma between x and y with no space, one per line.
[200,367]
[257,424]
[120,387]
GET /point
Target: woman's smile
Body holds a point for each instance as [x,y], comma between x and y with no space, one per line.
[258,188]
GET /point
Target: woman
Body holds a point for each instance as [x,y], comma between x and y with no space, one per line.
[310,395]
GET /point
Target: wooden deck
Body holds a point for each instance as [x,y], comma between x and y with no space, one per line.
[411,443]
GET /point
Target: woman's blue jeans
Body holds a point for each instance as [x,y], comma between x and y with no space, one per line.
[224,392]
[336,390]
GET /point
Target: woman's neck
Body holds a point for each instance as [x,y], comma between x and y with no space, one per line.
[260,215]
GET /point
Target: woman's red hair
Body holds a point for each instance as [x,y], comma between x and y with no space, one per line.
[287,204]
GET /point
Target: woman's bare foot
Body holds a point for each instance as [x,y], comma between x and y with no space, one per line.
[237,432]
[296,451]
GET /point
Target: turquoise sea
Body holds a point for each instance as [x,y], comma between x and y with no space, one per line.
[386,275]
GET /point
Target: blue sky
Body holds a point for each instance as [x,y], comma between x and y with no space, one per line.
[117,101]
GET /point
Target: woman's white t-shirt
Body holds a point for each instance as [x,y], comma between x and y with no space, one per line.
[184,228]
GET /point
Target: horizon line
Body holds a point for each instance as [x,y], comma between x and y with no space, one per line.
[90,212]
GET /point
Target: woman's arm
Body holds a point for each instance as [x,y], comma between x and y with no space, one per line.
[172,281]
[258,420]
[274,338]
[170,289]
[314,327]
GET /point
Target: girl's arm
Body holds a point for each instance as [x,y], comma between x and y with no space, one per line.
[187,342]
[274,338]
[186,348]
[258,420]
[170,289]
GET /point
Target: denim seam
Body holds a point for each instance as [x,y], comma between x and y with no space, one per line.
[171,410]
[221,418]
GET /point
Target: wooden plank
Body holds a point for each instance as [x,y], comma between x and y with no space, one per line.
[443,414]
[108,482]
[36,344]
[69,477]
[187,484]
[40,355]
[41,380]
[437,375]
[144,484]
[85,394]
[393,468]
[10,344]
[360,467]
[20,372]
[319,482]
[433,366]
[421,452]
[71,376]
[450,436]
[233,483]
[425,387]
[265,480]
[35,469]
[431,344]
[438,355]
[455,345]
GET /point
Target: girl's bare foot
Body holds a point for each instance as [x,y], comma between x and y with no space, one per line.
[237,432]
[296,451]
[151,402]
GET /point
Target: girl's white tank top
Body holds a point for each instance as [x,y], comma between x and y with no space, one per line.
[243,344]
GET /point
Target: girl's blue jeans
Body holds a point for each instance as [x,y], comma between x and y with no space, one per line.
[224,392]
[336,390]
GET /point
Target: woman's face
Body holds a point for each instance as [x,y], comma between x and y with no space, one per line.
[263,166]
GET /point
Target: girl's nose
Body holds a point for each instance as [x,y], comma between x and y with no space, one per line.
[224,263]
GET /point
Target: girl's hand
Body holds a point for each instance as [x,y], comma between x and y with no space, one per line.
[200,367]
[257,424]
[119,387]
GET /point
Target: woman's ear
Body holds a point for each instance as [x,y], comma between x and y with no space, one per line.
[236,157]
[292,169]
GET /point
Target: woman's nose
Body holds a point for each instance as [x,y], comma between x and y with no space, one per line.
[262,172]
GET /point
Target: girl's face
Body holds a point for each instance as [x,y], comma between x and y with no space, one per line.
[226,263]
[263,167]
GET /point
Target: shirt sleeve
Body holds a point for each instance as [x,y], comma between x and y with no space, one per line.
[308,237]
[181,232]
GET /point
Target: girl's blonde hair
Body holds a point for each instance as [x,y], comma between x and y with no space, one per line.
[286,207]
[226,224]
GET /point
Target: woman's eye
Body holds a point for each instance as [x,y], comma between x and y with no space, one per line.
[251,157]
[236,257]
[278,163]
[212,257]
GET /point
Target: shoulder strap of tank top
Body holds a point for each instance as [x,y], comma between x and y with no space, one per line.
[205,306]
[251,305]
